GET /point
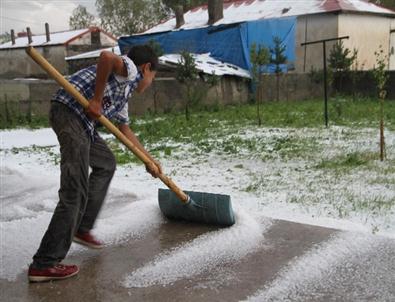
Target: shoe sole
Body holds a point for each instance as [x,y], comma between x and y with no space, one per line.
[46,278]
[93,246]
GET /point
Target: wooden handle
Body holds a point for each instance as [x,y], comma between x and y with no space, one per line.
[40,60]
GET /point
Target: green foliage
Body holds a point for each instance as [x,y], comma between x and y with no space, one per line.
[340,61]
[350,160]
[12,117]
[186,69]
[122,154]
[52,155]
[5,37]
[259,56]
[174,127]
[381,77]
[156,47]
[80,18]
[356,76]
[278,58]
[277,54]
[213,79]
[380,71]
[341,58]
[308,113]
[186,73]
[386,3]
[124,17]
[316,75]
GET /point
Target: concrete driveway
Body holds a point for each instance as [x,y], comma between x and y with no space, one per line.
[295,262]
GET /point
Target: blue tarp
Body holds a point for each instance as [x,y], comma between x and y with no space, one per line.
[228,43]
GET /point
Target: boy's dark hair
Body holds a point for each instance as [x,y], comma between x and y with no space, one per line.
[142,54]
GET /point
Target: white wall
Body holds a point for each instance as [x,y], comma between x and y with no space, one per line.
[392,46]
[107,41]
[367,33]
[15,62]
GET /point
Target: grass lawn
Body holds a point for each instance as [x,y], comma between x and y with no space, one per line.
[291,160]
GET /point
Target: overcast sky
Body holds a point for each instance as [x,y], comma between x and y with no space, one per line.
[19,14]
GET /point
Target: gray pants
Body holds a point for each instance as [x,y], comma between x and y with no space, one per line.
[81,194]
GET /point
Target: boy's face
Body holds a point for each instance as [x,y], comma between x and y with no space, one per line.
[148,77]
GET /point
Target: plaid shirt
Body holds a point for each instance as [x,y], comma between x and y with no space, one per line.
[115,99]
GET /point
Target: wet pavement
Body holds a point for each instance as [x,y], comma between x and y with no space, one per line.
[278,270]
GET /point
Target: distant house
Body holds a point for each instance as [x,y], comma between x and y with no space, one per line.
[54,46]
[244,22]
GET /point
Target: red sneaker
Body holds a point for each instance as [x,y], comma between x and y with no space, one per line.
[88,240]
[57,272]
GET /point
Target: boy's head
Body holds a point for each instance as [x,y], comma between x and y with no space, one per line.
[147,62]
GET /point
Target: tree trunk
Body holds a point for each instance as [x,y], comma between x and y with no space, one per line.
[258,99]
[278,86]
[215,11]
[186,112]
[179,11]
[382,142]
[187,102]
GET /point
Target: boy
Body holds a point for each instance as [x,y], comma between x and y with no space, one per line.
[107,85]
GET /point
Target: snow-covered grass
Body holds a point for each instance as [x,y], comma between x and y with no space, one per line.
[328,177]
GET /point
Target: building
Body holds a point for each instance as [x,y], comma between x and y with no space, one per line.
[245,22]
[14,62]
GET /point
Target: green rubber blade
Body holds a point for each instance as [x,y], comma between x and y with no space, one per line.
[208,208]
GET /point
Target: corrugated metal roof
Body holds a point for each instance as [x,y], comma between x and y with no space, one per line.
[248,10]
[56,38]
[207,64]
[93,54]
[204,62]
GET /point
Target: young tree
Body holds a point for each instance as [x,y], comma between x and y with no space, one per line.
[340,61]
[187,74]
[213,80]
[381,77]
[159,52]
[278,58]
[356,74]
[259,55]
[80,18]
[122,17]
[5,37]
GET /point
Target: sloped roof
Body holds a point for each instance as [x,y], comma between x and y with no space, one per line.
[207,64]
[204,62]
[249,10]
[56,38]
[93,54]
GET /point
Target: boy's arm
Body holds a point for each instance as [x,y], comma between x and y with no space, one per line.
[155,169]
[107,64]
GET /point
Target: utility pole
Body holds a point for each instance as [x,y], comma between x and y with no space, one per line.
[325,72]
